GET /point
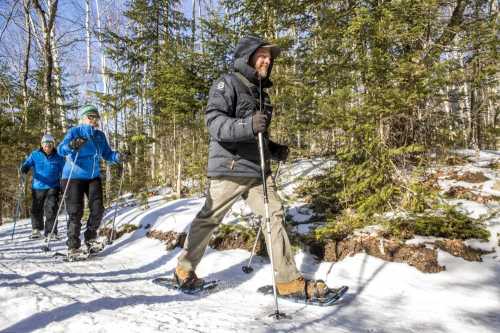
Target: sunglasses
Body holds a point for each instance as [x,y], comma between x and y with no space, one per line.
[47,143]
[93,117]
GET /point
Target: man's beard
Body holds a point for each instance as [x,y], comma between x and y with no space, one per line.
[262,72]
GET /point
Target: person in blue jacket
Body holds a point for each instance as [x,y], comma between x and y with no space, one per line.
[84,146]
[47,167]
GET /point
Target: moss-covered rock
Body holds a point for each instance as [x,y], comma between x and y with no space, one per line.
[172,239]
[458,248]
[226,237]
[453,160]
[468,176]
[122,230]
[460,192]
[418,256]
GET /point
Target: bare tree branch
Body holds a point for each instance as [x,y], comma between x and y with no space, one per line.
[8,19]
[449,32]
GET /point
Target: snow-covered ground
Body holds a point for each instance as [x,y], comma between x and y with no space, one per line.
[114,293]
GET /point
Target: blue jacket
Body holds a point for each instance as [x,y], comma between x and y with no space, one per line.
[47,169]
[89,155]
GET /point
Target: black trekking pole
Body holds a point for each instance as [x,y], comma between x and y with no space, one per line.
[46,248]
[17,213]
[113,231]
[277,314]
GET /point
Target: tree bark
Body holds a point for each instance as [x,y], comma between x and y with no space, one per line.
[193,23]
[87,36]
[448,34]
[26,64]
[104,76]
[58,83]
[47,18]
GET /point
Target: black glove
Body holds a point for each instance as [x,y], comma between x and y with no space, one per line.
[25,169]
[75,144]
[124,156]
[278,152]
[259,122]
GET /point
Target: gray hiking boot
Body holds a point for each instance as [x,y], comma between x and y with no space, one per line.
[75,254]
[36,234]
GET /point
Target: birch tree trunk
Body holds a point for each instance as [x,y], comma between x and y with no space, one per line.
[105,91]
[87,36]
[26,64]
[58,82]
[37,38]
[47,18]
[193,23]
[154,152]
[468,113]
[202,47]
[104,76]
[179,183]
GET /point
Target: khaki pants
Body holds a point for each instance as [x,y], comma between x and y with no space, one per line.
[222,194]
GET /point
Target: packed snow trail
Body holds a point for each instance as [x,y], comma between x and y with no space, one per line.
[114,292]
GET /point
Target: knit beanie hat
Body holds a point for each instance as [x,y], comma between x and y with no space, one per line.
[47,138]
[89,110]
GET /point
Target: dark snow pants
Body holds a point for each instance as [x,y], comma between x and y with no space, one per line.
[44,201]
[77,189]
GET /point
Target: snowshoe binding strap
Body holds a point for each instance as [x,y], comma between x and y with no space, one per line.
[190,282]
[316,289]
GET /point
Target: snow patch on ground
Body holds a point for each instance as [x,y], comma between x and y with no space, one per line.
[290,175]
[479,156]
[480,160]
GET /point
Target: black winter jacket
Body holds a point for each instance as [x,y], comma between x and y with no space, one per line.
[233,99]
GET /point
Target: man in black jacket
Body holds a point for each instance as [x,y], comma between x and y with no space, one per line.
[233,120]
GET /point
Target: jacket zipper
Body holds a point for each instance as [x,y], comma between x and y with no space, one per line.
[93,166]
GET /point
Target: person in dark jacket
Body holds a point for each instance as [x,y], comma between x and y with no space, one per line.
[45,188]
[233,120]
[84,146]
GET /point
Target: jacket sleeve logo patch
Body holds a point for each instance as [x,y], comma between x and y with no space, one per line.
[220,85]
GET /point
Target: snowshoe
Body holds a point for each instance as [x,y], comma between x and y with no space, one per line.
[76,255]
[307,292]
[172,284]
